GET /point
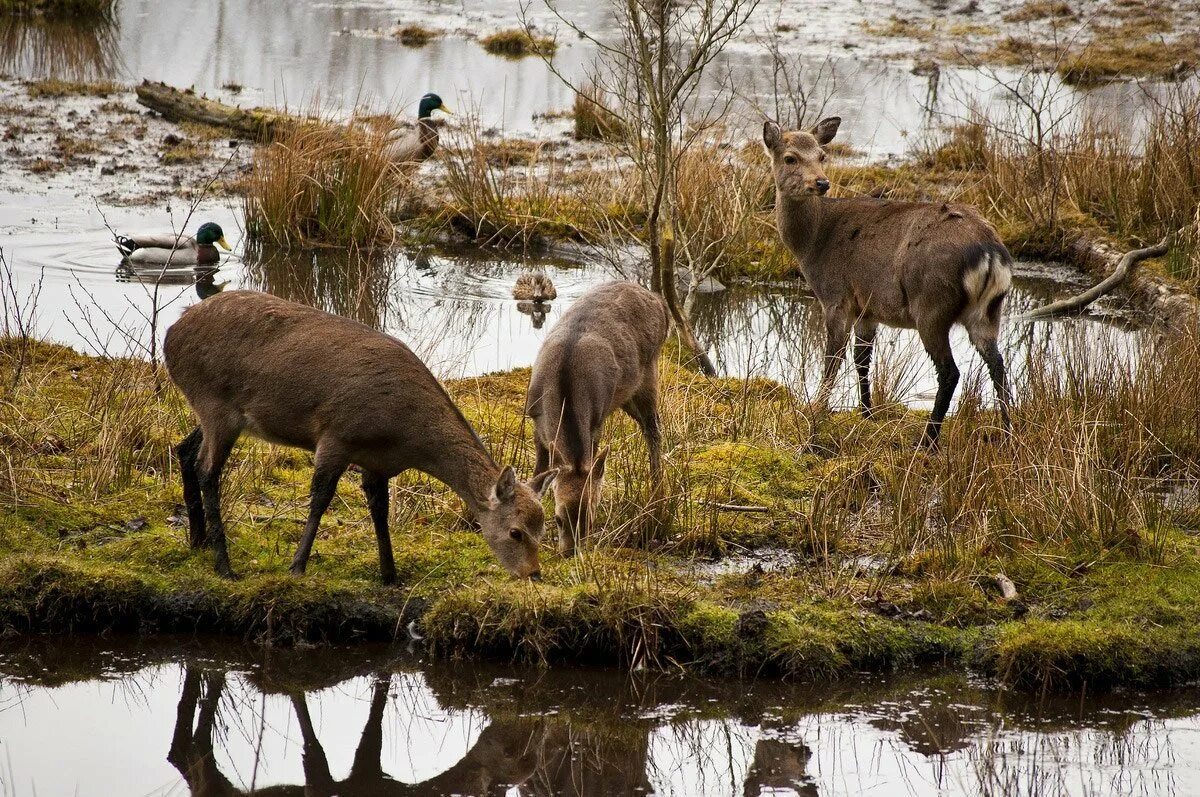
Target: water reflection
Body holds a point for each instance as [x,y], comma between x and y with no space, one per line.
[453,307]
[158,717]
[59,48]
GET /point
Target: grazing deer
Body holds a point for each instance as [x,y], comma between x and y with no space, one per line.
[922,265]
[297,376]
[602,356]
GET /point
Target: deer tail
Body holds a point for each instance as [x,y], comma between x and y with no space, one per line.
[986,282]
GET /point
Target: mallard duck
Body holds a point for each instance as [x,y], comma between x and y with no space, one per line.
[416,145]
[161,249]
[534,286]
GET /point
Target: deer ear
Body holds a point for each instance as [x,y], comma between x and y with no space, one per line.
[506,486]
[597,472]
[542,481]
[826,129]
[772,137]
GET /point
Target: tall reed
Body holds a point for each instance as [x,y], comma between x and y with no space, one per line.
[324,184]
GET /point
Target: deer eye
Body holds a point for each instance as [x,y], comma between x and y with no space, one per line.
[822,158]
[790,160]
[516,534]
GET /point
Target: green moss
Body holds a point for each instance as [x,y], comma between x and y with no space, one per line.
[88,545]
[745,473]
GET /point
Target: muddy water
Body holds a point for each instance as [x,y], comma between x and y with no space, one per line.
[112,717]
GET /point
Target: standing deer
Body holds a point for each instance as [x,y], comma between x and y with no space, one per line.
[916,265]
[297,376]
[602,356]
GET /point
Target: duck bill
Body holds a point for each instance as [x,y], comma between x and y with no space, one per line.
[221,242]
[444,109]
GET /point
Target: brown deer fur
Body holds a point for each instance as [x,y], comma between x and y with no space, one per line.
[602,356]
[300,377]
[917,265]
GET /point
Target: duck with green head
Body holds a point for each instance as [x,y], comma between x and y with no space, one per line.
[416,145]
[160,249]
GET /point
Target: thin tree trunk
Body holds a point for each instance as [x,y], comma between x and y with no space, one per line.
[683,326]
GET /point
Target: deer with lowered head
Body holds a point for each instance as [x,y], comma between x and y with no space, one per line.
[600,357]
[297,376]
[916,265]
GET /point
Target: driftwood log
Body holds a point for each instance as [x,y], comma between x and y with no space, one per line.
[185,106]
[1123,270]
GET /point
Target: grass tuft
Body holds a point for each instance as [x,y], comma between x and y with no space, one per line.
[518,43]
[320,184]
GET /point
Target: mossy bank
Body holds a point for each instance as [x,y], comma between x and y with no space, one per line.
[788,542]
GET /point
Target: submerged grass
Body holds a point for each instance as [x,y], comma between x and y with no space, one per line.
[1070,509]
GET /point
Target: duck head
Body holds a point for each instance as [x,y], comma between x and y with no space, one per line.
[210,234]
[430,103]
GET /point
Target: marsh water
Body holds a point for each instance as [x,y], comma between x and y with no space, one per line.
[454,306]
[135,717]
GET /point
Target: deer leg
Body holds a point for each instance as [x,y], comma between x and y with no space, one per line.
[643,408]
[188,452]
[327,470]
[367,767]
[312,756]
[543,456]
[375,487]
[937,344]
[215,447]
[985,343]
[837,334]
[864,345]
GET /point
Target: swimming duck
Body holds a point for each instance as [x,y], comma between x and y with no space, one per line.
[177,250]
[534,286]
[416,145]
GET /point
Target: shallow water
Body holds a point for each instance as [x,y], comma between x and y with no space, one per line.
[206,718]
[331,53]
[454,306]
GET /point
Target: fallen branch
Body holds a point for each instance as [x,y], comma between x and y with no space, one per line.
[185,106]
[1121,273]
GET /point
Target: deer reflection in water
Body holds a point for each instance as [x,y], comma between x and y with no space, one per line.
[538,756]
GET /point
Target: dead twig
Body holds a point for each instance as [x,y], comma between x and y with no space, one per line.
[1122,272]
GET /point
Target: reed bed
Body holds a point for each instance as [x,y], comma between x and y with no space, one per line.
[324,184]
[1096,174]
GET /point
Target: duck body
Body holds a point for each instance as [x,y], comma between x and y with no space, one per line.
[418,144]
[413,146]
[161,249]
[534,286]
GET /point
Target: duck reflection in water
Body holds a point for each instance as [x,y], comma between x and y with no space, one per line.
[202,278]
[536,311]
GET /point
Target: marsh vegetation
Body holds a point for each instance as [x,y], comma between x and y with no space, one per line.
[788,540]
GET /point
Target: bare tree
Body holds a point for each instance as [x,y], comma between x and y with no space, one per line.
[652,68]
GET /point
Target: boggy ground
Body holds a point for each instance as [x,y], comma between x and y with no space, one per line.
[870,555]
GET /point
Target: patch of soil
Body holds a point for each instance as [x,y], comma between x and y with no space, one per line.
[104,142]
